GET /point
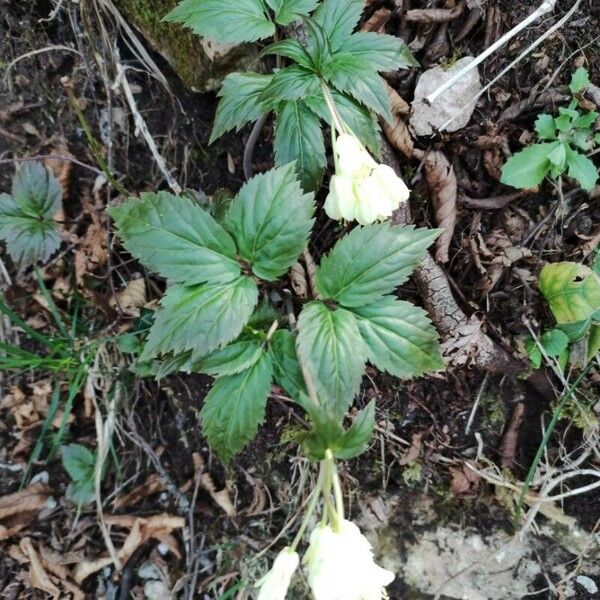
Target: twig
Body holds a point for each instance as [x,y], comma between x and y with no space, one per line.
[141,126]
[40,157]
[476,405]
[545,8]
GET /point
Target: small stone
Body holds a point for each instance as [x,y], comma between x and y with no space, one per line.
[455,103]
[588,583]
[156,590]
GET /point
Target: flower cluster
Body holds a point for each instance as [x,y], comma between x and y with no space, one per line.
[361,189]
[339,561]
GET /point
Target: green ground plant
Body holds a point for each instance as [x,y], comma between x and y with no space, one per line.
[564,142]
[349,63]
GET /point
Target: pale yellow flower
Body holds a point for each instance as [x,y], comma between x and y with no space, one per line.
[274,585]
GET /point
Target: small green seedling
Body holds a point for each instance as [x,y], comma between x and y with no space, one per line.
[80,464]
[565,141]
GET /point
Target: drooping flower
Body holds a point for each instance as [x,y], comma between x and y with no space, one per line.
[340,565]
[274,585]
[361,189]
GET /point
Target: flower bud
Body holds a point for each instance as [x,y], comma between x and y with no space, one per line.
[274,585]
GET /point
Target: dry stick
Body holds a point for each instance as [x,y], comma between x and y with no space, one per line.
[545,8]
[141,126]
[517,60]
[41,157]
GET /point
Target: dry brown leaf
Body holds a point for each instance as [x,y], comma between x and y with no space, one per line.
[465,482]
[397,132]
[441,181]
[221,497]
[412,454]
[37,574]
[434,15]
[377,20]
[61,168]
[509,444]
[158,527]
[131,298]
[152,485]
[32,498]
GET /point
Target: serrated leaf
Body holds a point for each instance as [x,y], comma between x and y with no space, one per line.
[26,217]
[357,437]
[231,359]
[299,138]
[330,346]
[338,18]
[582,169]
[176,238]
[554,342]
[286,368]
[292,83]
[78,462]
[359,119]
[239,102]
[545,127]
[371,262]
[580,80]
[271,219]
[231,21]
[36,192]
[290,49]
[572,290]
[200,318]
[400,338]
[287,11]
[235,407]
[527,168]
[587,120]
[355,76]
[383,52]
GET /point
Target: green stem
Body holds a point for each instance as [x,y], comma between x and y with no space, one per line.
[335,115]
[336,515]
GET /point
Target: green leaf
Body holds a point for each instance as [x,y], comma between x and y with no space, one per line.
[263,316]
[533,352]
[371,262]
[545,127]
[400,338]
[231,21]
[582,169]
[235,407]
[580,81]
[527,168]
[287,11]
[577,330]
[176,238]
[554,342]
[286,368]
[338,18]
[572,291]
[271,219]
[239,102]
[26,218]
[359,119]
[201,317]
[587,120]
[292,83]
[231,359]
[36,192]
[78,462]
[383,52]
[356,439]
[356,77]
[593,342]
[290,49]
[558,156]
[333,353]
[299,138]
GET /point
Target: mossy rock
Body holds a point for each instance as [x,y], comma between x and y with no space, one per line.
[201,64]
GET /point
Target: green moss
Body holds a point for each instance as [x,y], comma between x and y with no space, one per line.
[182,48]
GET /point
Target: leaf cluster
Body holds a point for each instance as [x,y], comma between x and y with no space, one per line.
[564,141]
[26,215]
[349,63]
[210,319]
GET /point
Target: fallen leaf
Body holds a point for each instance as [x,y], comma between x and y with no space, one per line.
[37,574]
[441,181]
[131,298]
[152,485]
[509,443]
[377,20]
[464,482]
[158,527]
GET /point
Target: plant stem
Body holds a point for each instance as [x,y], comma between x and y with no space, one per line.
[312,505]
[337,121]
